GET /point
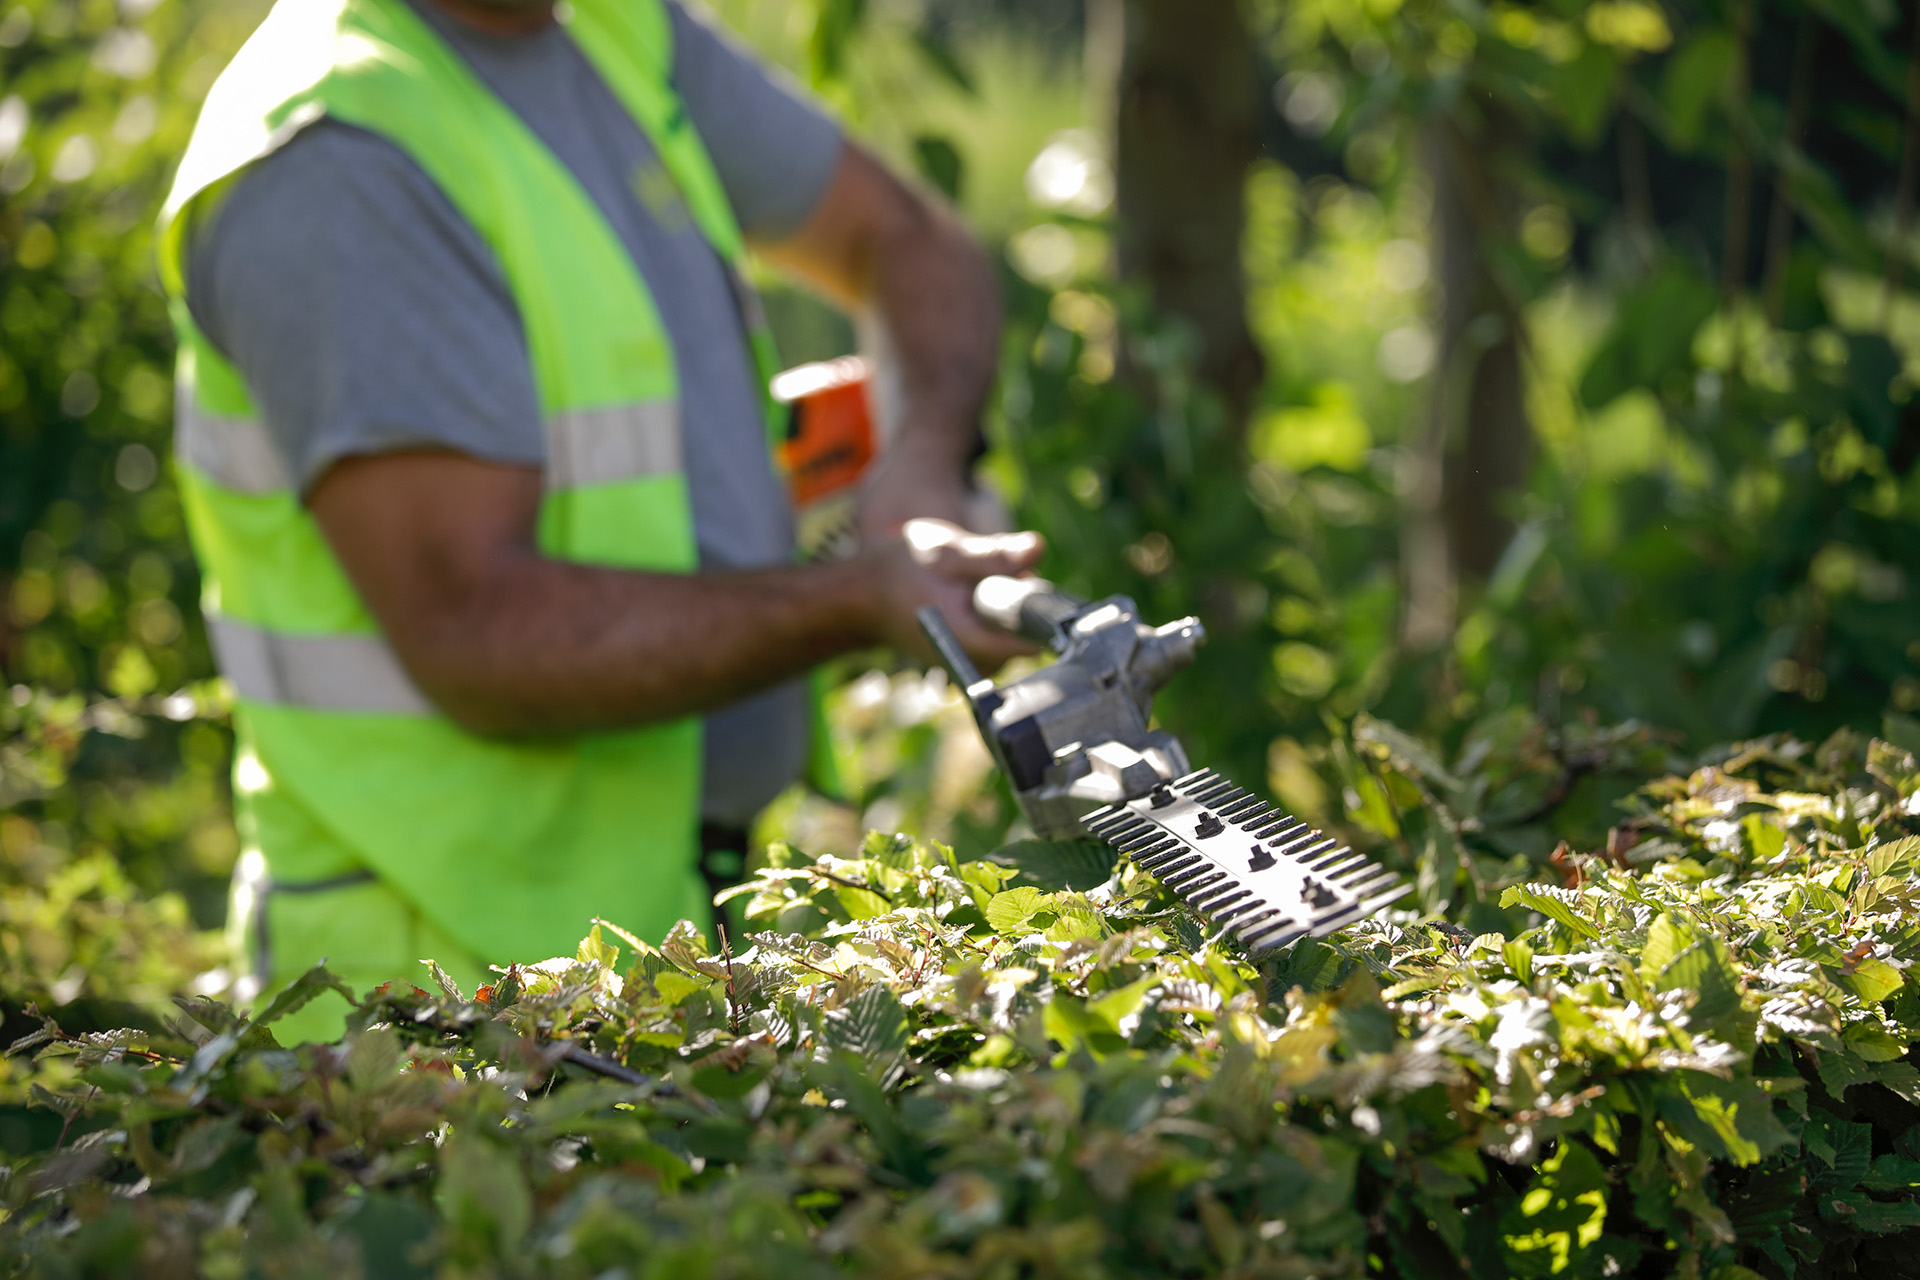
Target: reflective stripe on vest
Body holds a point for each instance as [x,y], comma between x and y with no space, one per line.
[235,453]
[341,672]
[602,445]
[613,443]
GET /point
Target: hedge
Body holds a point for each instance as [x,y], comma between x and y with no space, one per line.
[1690,1056]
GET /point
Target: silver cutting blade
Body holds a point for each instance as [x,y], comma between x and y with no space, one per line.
[1245,864]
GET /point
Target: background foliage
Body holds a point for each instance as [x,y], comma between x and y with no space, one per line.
[1692,1065]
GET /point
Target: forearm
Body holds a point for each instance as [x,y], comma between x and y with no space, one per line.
[925,294]
[933,313]
[547,647]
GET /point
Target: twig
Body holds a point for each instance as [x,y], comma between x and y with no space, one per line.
[1637,187]
[74,1114]
[1903,192]
[733,1005]
[1733,273]
[1780,222]
[851,884]
[612,1070]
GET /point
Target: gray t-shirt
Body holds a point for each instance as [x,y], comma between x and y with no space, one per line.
[366,314]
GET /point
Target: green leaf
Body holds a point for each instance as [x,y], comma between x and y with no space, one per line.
[1861,1212]
[1706,968]
[1404,751]
[861,904]
[1730,1119]
[1550,901]
[1872,1043]
[937,48]
[373,1058]
[890,849]
[674,986]
[301,992]
[1901,731]
[593,950]
[1519,958]
[1113,1007]
[1839,1072]
[872,1027]
[1560,1216]
[1669,936]
[1697,74]
[1074,1024]
[1901,1077]
[1075,918]
[1652,335]
[1583,89]
[1871,980]
[835,24]
[984,879]
[1060,864]
[483,1193]
[444,980]
[1009,911]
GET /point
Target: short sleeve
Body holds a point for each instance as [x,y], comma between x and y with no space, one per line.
[775,151]
[363,311]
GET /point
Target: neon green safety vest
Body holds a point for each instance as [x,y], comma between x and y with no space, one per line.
[378,832]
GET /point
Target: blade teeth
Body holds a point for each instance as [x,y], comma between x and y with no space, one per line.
[1258,920]
[1114,815]
[1271,934]
[1241,812]
[1380,900]
[1214,893]
[1358,911]
[1335,921]
[1154,859]
[1318,854]
[1218,904]
[1360,885]
[1284,924]
[1267,947]
[1290,848]
[1179,867]
[1236,916]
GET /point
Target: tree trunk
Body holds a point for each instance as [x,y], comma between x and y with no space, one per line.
[1476,442]
[1186,114]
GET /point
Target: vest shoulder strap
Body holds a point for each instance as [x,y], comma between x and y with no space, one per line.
[631,45]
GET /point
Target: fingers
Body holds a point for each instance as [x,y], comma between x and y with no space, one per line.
[943,545]
[946,561]
[1002,553]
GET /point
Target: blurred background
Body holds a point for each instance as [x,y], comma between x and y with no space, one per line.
[1521,394]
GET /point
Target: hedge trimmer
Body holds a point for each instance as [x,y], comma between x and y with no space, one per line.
[1075,741]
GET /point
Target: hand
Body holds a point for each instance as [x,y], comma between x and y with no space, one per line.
[936,562]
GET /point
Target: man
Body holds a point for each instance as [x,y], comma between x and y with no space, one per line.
[474,450]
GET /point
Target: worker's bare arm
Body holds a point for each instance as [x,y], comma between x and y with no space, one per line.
[508,641]
[900,259]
